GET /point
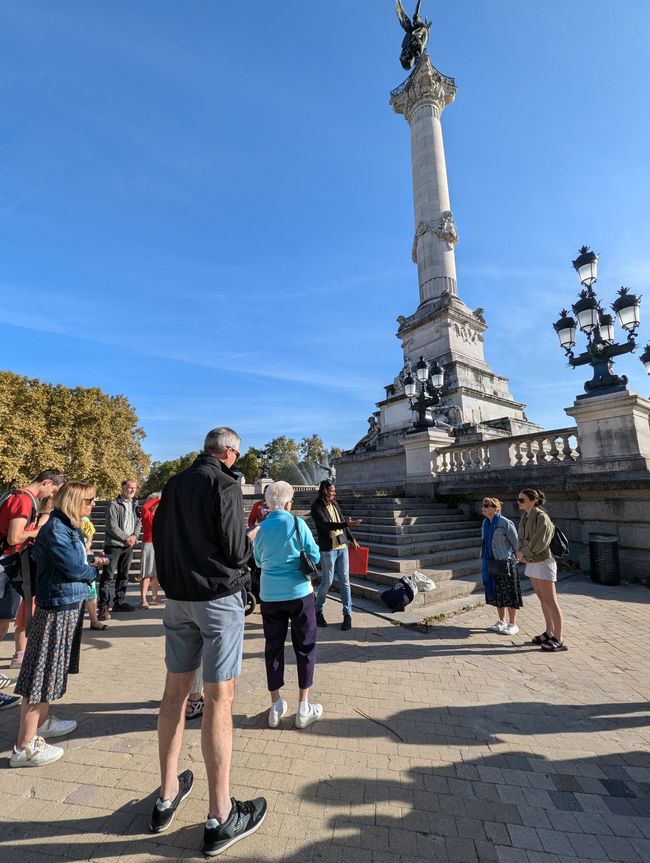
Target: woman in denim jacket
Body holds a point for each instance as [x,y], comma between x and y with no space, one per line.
[500,543]
[63,579]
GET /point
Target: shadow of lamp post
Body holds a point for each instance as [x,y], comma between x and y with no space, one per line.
[598,326]
[430,382]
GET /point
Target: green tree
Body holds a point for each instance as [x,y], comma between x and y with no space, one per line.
[162,471]
[312,449]
[334,452]
[84,432]
[250,464]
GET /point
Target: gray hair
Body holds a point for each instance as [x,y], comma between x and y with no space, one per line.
[218,439]
[277,494]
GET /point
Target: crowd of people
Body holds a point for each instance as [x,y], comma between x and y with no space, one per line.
[198,547]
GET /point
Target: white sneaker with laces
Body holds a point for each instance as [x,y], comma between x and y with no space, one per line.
[499,626]
[36,753]
[314,712]
[511,629]
[53,727]
[277,712]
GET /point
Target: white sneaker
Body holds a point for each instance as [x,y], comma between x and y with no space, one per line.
[276,713]
[6,681]
[313,714]
[499,626]
[36,753]
[511,629]
[53,727]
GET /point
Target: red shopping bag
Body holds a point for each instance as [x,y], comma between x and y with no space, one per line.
[358,560]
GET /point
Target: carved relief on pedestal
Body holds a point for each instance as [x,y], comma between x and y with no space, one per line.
[465,333]
[444,227]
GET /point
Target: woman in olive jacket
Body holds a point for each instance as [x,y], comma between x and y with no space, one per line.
[535,534]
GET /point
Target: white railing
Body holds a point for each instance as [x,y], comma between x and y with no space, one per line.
[557,447]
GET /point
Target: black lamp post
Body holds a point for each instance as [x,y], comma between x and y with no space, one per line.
[265,464]
[598,326]
[431,380]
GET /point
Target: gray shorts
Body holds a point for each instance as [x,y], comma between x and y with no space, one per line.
[210,632]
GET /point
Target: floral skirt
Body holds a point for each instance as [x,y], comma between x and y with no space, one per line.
[53,648]
[508,588]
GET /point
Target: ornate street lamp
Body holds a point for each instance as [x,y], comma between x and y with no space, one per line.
[264,474]
[429,380]
[598,326]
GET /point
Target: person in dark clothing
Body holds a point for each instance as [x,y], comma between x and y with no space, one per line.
[123,525]
[333,532]
[202,548]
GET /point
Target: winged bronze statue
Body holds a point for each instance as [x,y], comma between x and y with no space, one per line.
[417,35]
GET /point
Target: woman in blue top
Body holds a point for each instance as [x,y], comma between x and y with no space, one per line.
[500,542]
[287,595]
[63,579]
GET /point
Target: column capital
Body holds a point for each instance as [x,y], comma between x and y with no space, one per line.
[425,85]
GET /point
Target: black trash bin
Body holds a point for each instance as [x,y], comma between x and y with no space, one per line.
[604,563]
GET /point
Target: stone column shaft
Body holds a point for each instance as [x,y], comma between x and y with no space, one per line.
[421,100]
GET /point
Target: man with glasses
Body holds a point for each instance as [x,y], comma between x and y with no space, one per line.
[201,547]
[123,527]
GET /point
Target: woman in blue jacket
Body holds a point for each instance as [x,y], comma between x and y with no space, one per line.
[500,543]
[287,596]
[63,579]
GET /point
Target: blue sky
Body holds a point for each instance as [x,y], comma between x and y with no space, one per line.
[207,206]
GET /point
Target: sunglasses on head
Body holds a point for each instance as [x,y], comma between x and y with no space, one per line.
[521,500]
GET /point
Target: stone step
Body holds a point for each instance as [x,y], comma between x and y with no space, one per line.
[423,561]
[412,533]
[444,592]
[459,569]
[408,548]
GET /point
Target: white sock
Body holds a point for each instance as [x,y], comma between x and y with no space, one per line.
[211,823]
[278,705]
[161,805]
[303,708]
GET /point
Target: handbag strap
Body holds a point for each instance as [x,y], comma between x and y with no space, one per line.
[295,521]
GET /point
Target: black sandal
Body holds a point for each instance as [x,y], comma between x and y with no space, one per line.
[554,645]
[540,639]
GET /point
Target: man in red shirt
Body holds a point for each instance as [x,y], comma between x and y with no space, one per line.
[18,517]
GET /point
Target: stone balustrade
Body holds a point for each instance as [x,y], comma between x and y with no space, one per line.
[555,447]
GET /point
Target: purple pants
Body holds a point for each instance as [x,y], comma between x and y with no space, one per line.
[276,617]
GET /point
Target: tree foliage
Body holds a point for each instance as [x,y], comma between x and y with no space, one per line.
[161,471]
[84,432]
[250,464]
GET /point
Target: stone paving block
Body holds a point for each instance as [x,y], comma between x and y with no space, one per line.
[618,848]
[524,837]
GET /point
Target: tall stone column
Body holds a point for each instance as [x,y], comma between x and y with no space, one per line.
[421,100]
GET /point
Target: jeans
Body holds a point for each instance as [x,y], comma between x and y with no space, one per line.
[335,563]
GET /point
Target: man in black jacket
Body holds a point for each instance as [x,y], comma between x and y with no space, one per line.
[333,533]
[201,548]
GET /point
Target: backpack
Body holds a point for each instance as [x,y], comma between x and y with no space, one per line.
[559,544]
[400,595]
[19,570]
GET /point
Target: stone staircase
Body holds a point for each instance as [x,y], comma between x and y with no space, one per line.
[405,534]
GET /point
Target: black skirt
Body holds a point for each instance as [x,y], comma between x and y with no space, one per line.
[508,588]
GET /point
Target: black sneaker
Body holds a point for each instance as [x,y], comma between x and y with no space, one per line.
[320,620]
[123,606]
[244,819]
[162,818]
[347,623]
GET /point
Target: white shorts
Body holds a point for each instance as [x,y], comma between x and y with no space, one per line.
[546,570]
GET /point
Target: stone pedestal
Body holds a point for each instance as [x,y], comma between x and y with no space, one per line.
[261,484]
[614,431]
[420,450]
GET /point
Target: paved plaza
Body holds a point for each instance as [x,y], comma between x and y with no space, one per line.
[456,745]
